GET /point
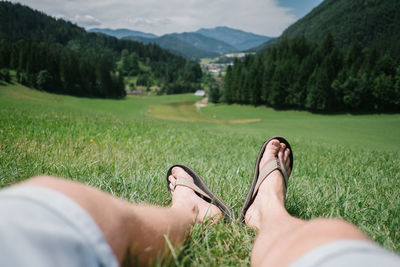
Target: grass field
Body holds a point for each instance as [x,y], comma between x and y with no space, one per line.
[346,166]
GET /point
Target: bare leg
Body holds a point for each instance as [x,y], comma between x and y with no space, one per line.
[136,231]
[282,238]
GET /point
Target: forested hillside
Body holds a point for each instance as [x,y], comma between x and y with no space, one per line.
[361,74]
[176,46]
[204,43]
[369,23]
[241,40]
[121,33]
[57,56]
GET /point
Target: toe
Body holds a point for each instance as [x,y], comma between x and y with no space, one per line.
[286,160]
[281,151]
[175,171]
[271,148]
[274,144]
[270,152]
[179,172]
[286,157]
[172,182]
[283,146]
[286,154]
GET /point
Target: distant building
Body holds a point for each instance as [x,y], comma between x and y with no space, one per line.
[235,55]
[214,70]
[218,79]
[134,92]
[200,93]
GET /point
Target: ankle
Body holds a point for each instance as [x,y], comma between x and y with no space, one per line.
[273,187]
[185,211]
[265,207]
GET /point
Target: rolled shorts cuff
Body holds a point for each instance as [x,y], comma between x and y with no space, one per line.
[348,252]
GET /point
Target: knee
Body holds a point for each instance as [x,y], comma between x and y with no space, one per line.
[335,228]
[41,180]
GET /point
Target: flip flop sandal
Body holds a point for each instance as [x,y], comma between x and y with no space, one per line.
[201,189]
[270,166]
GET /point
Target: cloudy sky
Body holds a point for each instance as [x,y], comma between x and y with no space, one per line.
[266,17]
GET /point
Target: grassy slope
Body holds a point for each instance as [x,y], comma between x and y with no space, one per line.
[345,166]
[378,131]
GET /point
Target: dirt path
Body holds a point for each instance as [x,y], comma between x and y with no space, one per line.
[189,112]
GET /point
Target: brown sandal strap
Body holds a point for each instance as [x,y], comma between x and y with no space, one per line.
[183,181]
[272,165]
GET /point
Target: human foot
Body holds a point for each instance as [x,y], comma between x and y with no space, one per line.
[271,192]
[187,201]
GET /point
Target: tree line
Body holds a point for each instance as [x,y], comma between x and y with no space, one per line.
[52,68]
[57,56]
[322,77]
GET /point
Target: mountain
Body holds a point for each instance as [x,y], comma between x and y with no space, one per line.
[57,56]
[195,45]
[204,43]
[241,40]
[121,33]
[190,45]
[370,23]
[176,46]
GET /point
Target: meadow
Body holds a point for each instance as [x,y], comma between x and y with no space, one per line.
[345,166]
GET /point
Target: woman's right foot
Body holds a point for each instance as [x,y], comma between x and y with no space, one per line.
[272,189]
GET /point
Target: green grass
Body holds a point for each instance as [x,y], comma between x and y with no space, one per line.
[346,166]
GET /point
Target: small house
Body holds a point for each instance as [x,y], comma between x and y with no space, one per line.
[200,93]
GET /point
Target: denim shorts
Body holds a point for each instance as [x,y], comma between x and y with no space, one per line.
[348,253]
[42,227]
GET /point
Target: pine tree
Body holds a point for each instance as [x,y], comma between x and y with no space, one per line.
[268,73]
[256,76]
[383,93]
[317,96]
[214,93]
[228,92]
[396,93]
[44,80]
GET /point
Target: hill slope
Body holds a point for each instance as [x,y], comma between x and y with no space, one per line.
[58,56]
[121,33]
[371,23]
[176,46]
[342,57]
[116,147]
[241,40]
[204,43]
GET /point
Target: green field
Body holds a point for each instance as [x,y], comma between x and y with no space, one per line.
[346,166]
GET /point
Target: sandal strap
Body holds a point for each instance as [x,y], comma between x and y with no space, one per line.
[283,170]
[183,181]
[272,165]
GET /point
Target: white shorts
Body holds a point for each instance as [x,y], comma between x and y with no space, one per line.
[42,227]
[348,253]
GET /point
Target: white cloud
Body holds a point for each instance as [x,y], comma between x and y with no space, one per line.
[86,20]
[148,22]
[160,16]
